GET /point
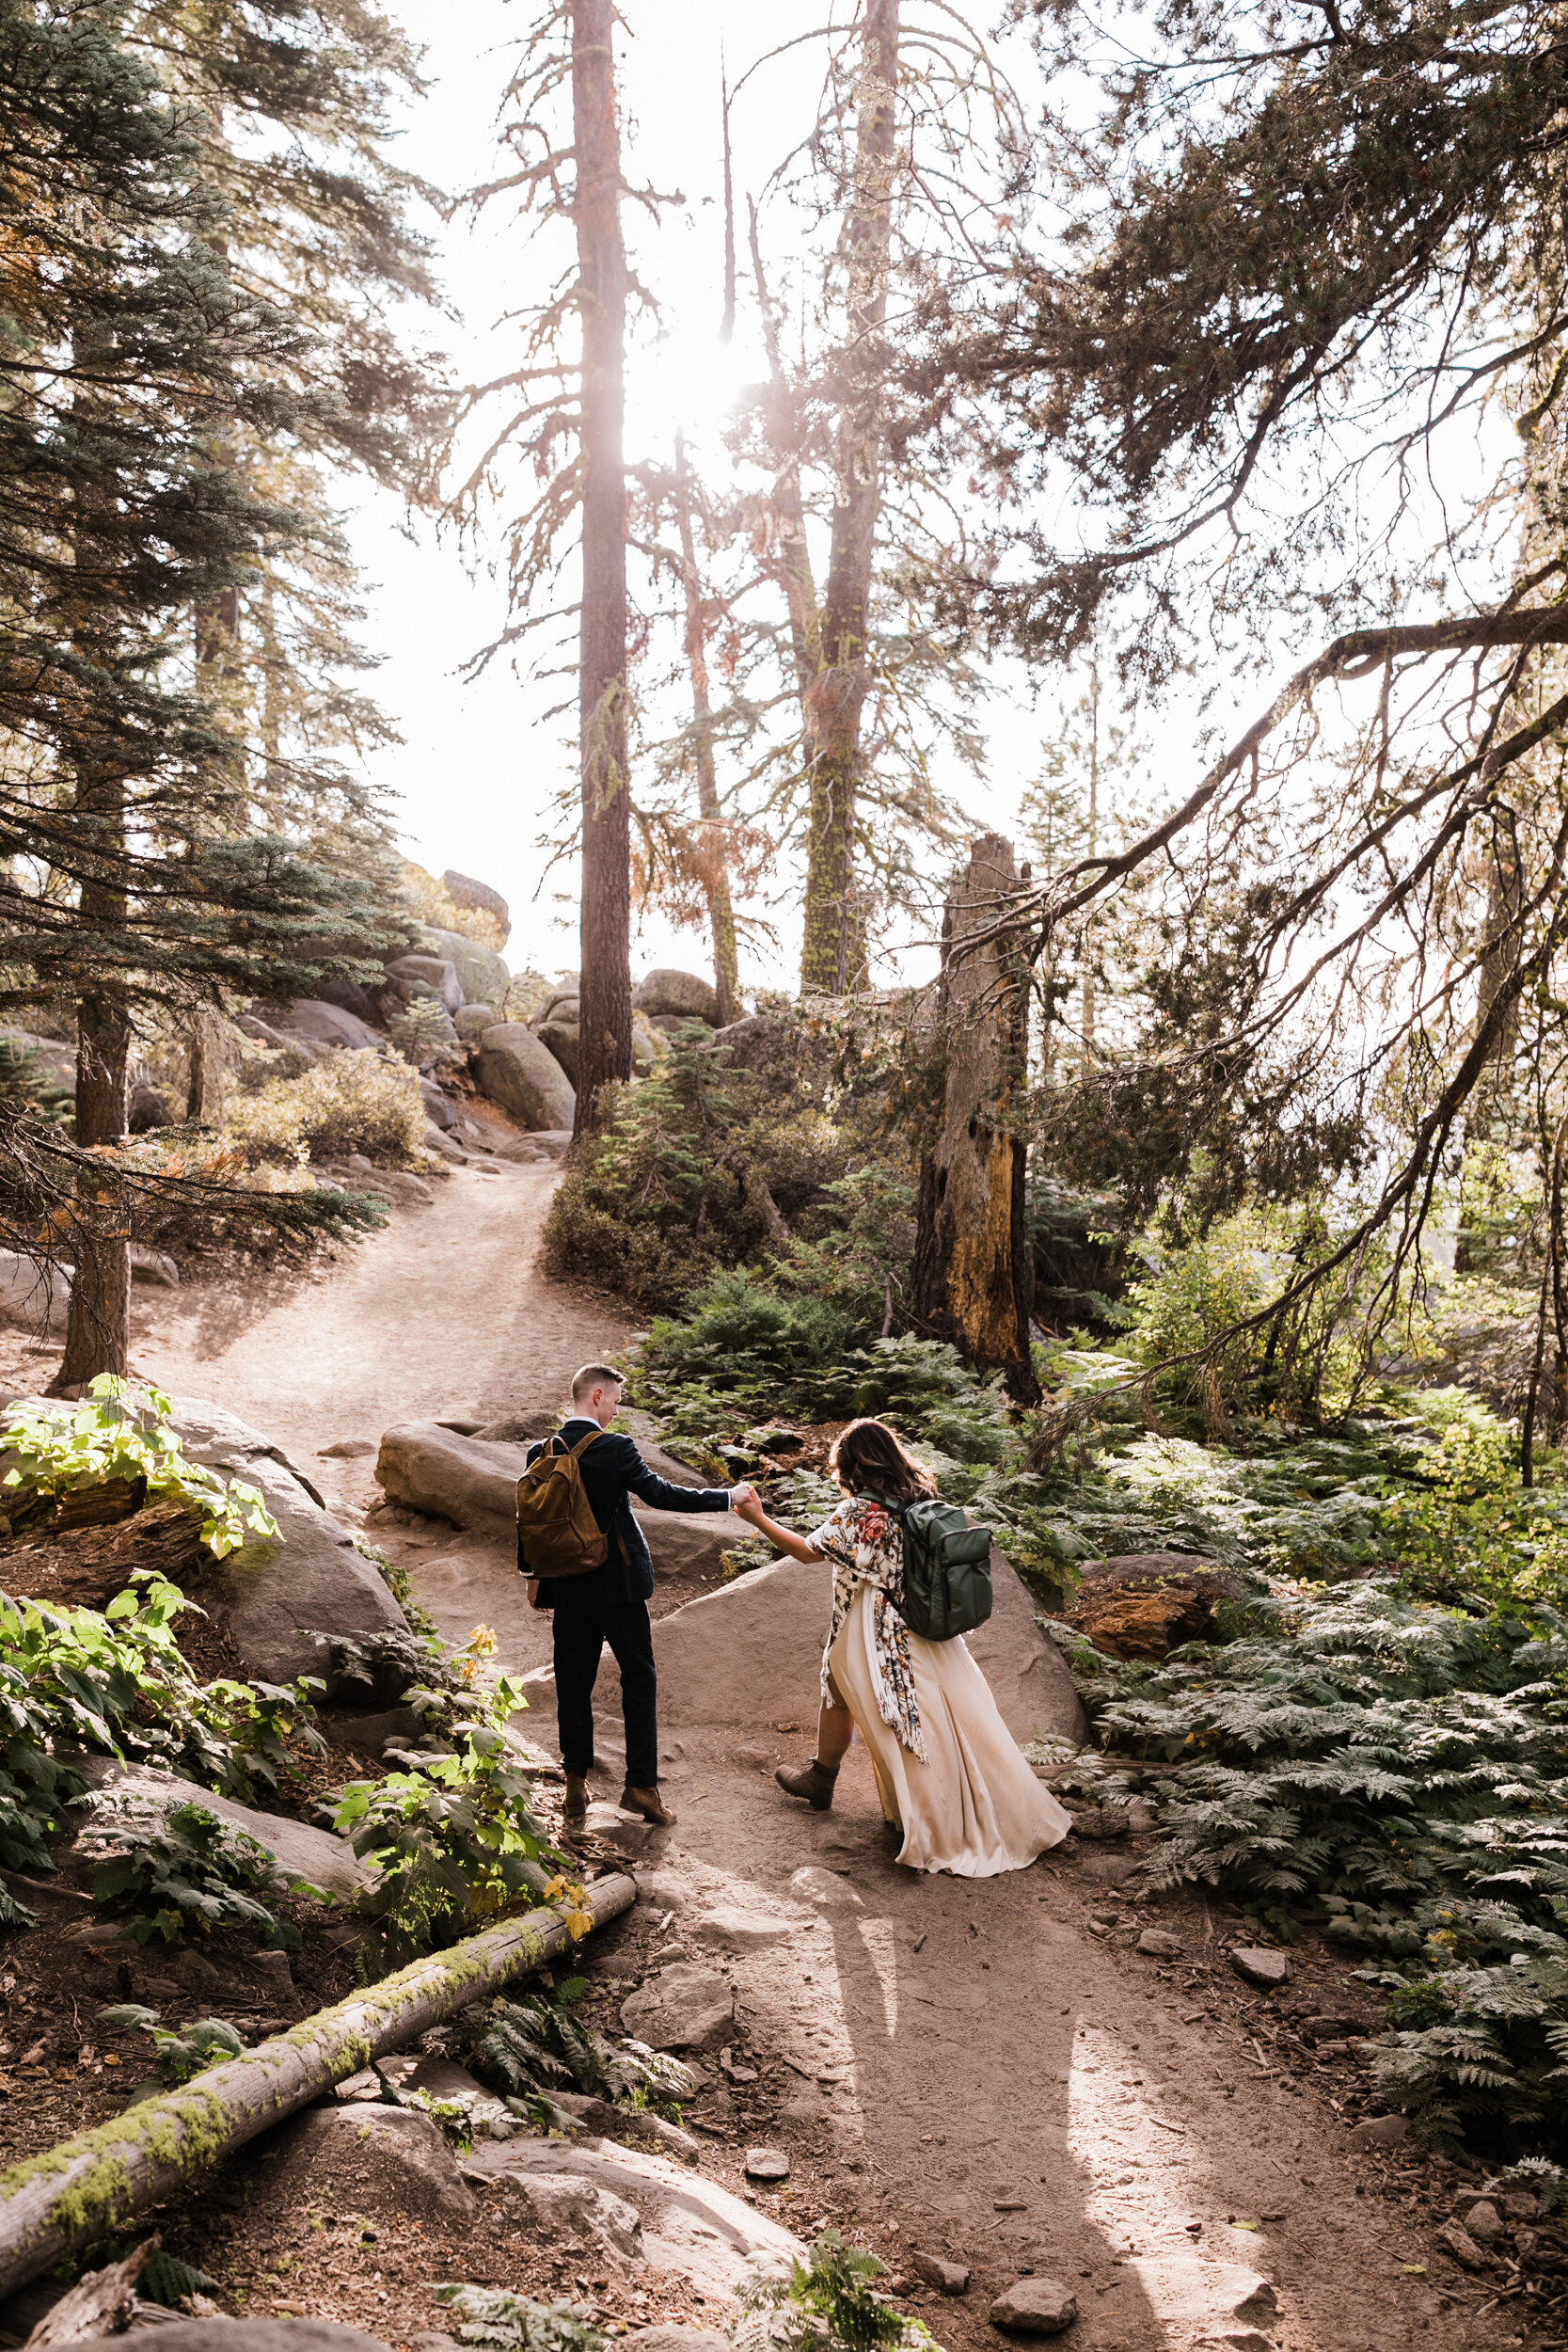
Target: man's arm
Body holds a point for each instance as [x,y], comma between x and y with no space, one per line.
[661,1494]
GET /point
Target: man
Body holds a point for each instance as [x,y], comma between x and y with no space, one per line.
[611,1603]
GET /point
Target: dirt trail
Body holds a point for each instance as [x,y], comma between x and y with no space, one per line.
[977,2073]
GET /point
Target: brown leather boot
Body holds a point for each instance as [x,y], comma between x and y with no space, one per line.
[577,1799]
[815,1783]
[649,1803]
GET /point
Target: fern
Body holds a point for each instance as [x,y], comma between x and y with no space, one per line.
[535,2046]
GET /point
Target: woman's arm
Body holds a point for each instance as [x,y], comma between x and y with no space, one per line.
[785,1539]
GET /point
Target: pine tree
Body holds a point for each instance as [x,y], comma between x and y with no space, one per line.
[132,878]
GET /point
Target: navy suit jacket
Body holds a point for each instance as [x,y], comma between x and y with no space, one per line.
[612,1470]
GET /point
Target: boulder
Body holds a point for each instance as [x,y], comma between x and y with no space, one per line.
[525,1078]
[149,1109]
[562,1038]
[482,973]
[567,2205]
[686,2006]
[605,2121]
[350,996]
[472,1481]
[464,891]
[751,1652]
[472,1021]
[389,2164]
[33,1293]
[435,974]
[1027,1673]
[303,1050]
[277,1592]
[672,1024]
[1034,2307]
[689,2225]
[648,1045]
[759,1044]
[679,993]
[327,1023]
[315,1857]
[437,1107]
[154,1266]
[549,1143]
[410,2079]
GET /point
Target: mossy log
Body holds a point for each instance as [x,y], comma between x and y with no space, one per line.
[80,2191]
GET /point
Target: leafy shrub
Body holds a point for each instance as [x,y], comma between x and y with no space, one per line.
[500,2321]
[123,1432]
[183,2054]
[827,2302]
[702,1168]
[537,2046]
[347,1102]
[181,1869]
[452,1834]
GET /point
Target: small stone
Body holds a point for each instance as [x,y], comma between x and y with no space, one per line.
[1259,1964]
[952,2278]
[625,1834]
[750,1759]
[1246,2340]
[346,1450]
[1520,2206]
[1380,2131]
[685,2007]
[1462,2246]
[1484,2222]
[766,2163]
[359,2090]
[1257,2300]
[1156,1944]
[1034,2307]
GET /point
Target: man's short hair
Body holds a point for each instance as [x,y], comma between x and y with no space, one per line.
[594,1376]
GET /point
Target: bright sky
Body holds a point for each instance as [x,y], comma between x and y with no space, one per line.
[482,764]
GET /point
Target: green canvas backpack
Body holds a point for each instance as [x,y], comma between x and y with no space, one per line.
[946,1568]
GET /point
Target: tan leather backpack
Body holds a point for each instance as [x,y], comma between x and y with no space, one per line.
[557,1530]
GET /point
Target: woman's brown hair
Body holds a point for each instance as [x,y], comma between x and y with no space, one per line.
[867,1456]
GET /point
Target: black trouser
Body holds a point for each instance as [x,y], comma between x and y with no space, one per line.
[580,1635]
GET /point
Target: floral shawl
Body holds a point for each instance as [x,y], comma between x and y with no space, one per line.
[866,1544]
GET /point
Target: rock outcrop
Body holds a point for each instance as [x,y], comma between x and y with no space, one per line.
[278,1591]
[464,891]
[472,1481]
[432,975]
[483,974]
[676,995]
[328,1024]
[524,1077]
[312,1857]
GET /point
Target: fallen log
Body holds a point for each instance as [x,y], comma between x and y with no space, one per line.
[89,2186]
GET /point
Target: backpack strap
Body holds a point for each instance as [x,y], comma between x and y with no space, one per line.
[577,1451]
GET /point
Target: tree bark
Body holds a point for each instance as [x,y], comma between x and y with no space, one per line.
[716,879]
[973,1278]
[833,949]
[89,2187]
[604,1049]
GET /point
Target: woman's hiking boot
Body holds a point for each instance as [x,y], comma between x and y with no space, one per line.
[577,1800]
[649,1803]
[815,1783]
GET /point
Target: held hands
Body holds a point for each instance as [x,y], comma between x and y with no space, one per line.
[743,1498]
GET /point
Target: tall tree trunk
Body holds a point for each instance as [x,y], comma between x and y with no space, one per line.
[604,1049]
[972,1280]
[1091,847]
[98,1326]
[833,950]
[716,879]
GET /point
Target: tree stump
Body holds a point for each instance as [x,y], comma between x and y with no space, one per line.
[972,1277]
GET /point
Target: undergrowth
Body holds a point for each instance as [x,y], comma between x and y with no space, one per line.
[535,2046]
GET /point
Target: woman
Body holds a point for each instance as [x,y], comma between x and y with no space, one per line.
[952,1783]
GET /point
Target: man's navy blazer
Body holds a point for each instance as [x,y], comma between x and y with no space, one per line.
[612,1470]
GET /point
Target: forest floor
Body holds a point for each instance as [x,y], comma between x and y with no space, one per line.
[986,2070]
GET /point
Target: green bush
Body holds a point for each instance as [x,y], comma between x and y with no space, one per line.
[347,1102]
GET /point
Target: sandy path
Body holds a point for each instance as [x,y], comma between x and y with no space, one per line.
[1000,2085]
